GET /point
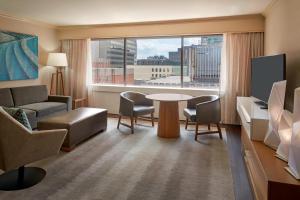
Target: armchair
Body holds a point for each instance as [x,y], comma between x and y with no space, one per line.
[134,105]
[204,110]
[19,146]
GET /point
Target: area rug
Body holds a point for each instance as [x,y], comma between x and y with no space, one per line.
[119,165]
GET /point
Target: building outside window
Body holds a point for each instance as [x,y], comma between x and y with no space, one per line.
[157,61]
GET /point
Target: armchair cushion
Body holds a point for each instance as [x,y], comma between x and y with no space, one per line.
[43,109]
[190,114]
[31,115]
[19,115]
[142,110]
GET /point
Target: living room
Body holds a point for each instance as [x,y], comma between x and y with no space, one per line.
[131,100]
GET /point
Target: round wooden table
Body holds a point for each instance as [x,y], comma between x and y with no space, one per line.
[168,122]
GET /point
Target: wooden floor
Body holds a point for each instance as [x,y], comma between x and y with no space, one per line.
[242,188]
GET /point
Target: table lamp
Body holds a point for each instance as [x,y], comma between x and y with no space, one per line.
[275,110]
[58,60]
[285,134]
[294,150]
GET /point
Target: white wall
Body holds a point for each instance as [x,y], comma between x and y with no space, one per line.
[108,97]
[282,35]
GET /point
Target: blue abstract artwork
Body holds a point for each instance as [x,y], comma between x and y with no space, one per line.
[18,56]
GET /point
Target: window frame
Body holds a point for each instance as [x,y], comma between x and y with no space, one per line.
[181,37]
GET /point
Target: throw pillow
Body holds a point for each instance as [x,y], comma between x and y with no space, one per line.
[19,115]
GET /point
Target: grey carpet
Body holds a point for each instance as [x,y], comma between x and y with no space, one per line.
[119,165]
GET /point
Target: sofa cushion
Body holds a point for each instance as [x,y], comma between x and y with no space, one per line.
[31,115]
[43,109]
[19,115]
[29,94]
[6,98]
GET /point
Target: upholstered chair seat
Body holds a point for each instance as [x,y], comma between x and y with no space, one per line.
[190,113]
[139,110]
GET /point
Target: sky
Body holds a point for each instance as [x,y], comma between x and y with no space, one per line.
[162,46]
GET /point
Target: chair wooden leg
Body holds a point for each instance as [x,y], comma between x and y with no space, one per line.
[209,127]
[186,123]
[135,120]
[196,132]
[152,119]
[119,121]
[132,125]
[219,130]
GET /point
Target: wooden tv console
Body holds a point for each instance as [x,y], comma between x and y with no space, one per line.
[266,172]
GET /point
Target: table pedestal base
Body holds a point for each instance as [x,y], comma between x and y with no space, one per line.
[168,123]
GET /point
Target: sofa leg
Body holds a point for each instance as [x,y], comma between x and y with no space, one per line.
[152,119]
[135,120]
[186,123]
[208,127]
[219,130]
[119,121]
[196,132]
[132,125]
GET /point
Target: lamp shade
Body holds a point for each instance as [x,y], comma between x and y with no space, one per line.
[57,60]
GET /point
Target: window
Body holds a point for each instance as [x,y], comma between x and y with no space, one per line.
[157,61]
[154,53]
[108,61]
[202,61]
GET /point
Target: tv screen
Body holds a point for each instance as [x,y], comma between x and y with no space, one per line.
[264,72]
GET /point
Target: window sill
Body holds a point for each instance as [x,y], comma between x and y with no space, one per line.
[151,89]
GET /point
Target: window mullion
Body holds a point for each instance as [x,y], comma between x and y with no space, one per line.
[124,60]
[181,63]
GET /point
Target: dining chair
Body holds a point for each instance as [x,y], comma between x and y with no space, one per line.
[134,105]
[204,110]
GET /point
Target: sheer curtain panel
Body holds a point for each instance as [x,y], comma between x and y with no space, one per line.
[76,73]
[239,48]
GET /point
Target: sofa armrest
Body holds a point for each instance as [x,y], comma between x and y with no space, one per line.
[62,99]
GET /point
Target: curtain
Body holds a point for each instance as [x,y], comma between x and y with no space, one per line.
[239,48]
[77,52]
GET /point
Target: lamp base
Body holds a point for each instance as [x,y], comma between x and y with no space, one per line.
[21,178]
[57,80]
[292,173]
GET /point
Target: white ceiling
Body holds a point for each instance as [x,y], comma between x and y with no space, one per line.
[84,12]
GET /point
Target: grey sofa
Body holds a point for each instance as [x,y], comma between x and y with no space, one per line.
[34,100]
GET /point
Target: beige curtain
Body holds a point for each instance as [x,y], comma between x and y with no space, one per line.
[76,72]
[239,49]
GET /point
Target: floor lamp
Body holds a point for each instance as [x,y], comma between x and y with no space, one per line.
[58,60]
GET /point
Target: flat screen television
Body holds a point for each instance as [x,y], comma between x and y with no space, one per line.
[265,71]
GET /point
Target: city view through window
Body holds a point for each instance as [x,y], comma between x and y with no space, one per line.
[157,61]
